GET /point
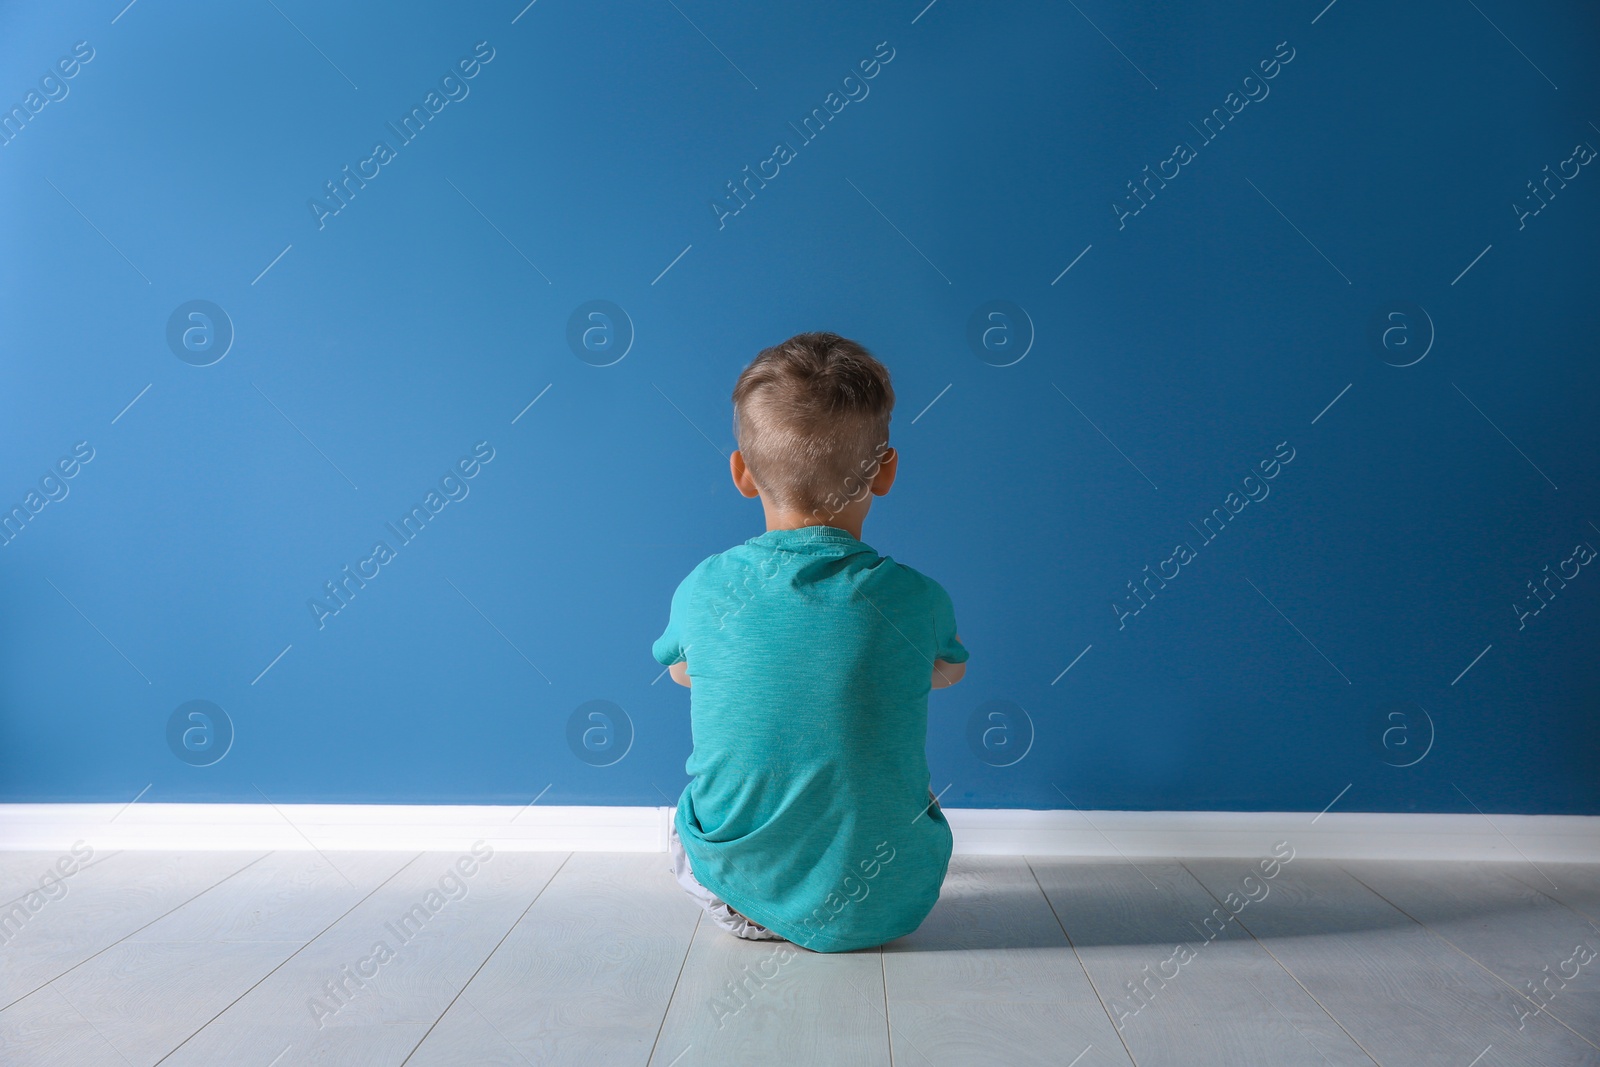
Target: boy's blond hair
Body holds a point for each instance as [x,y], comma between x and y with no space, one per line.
[811,416]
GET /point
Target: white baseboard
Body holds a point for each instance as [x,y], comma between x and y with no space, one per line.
[978,831]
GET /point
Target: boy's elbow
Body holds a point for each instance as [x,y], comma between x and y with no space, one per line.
[680,672]
[947,674]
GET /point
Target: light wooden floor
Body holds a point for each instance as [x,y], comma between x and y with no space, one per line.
[591,958]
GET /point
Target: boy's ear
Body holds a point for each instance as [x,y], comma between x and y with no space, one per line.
[886,472]
[741,475]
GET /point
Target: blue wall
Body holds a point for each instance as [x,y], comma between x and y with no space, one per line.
[1369,205]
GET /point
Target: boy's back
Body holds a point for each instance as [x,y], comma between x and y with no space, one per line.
[811,657]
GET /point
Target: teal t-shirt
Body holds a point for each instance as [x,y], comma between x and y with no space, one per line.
[811,658]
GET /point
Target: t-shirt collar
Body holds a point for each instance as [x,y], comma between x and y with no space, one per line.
[805,535]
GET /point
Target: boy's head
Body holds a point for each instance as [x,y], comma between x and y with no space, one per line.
[811,416]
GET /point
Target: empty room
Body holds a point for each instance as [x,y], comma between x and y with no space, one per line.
[465,604]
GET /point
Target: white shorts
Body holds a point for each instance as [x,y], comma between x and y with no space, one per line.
[718,909]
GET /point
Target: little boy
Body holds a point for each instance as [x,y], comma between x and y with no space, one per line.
[810,658]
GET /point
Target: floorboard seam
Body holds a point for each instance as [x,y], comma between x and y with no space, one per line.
[665,1012]
[485,963]
[888,1023]
[1292,976]
[92,863]
[91,1025]
[1081,966]
[307,944]
[1576,911]
[130,933]
[1490,971]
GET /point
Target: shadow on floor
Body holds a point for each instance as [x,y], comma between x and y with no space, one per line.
[1164,914]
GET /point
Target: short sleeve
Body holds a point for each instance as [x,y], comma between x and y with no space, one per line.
[668,648]
[944,626]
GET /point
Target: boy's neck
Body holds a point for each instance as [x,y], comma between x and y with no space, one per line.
[850,519]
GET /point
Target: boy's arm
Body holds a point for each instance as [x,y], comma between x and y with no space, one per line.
[944,673]
[669,649]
